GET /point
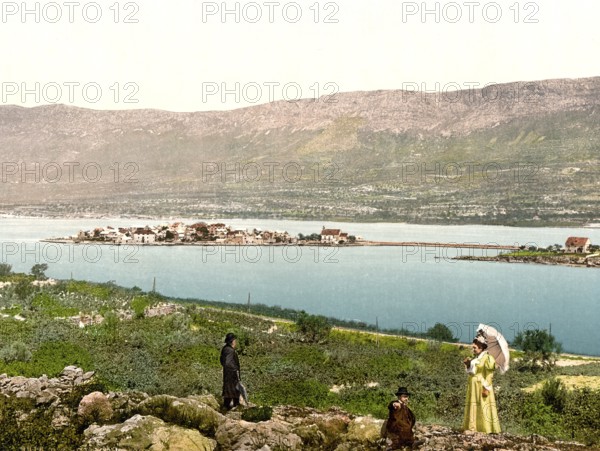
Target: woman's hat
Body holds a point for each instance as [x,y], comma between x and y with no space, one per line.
[230,337]
[480,339]
[402,391]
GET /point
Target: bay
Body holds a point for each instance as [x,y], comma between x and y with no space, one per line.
[400,287]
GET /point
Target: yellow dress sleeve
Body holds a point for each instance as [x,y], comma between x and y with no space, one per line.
[490,363]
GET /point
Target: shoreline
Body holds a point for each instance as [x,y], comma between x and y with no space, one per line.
[533,224]
[357,244]
[574,262]
[565,356]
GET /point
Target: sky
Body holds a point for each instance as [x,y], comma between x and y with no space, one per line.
[189,55]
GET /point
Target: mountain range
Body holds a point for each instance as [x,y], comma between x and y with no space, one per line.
[514,154]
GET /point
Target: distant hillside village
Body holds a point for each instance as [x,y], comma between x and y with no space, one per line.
[202,232]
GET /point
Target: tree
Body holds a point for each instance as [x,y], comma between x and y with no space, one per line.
[540,347]
[314,327]
[440,332]
[38,271]
[24,289]
[5,269]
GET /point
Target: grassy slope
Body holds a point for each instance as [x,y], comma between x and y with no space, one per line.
[178,354]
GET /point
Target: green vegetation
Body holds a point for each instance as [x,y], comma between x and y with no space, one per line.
[314,327]
[5,269]
[304,364]
[38,271]
[293,315]
[441,332]
[540,347]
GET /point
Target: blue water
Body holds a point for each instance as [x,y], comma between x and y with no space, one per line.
[400,287]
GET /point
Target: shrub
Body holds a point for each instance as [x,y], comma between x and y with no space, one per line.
[51,358]
[541,349]
[257,414]
[5,269]
[110,327]
[90,289]
[35,431]
[314,327]
[24,289]
[582,415]
[440,332]
[138,305]
[303,393]
[15,352]
[364,400]
[539,418]
[554,394]
[49,305]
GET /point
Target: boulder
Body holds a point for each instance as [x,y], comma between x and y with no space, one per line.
[95,407]
[124,404]
[245,436]
[208,400]
[190,412]
[331,424]
[364,430]
[146,432]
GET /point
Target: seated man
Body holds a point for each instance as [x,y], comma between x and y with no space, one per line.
[400,422]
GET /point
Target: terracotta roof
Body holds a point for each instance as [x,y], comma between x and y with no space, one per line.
[144,232]
[335,232]
[576,241]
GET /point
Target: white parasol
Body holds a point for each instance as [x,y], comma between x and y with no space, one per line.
[497,346]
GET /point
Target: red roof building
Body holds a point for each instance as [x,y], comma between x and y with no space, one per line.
[577,245]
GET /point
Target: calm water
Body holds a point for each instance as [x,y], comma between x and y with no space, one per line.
[401,287]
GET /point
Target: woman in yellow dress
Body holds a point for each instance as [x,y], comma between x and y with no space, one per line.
[481,414]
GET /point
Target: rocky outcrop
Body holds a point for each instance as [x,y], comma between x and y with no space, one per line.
[146,432]
[45,390]
[195,411]
[133,421]
[443,438]
[245,436]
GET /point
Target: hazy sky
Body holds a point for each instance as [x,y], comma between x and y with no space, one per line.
[185,55]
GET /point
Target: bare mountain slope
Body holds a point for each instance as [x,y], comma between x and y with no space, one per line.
[507,154]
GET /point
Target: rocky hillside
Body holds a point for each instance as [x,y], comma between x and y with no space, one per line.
[518,152]
[135,420]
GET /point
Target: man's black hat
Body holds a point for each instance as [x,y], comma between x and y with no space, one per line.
[402,391]
[230,337]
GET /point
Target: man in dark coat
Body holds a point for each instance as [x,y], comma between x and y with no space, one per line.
[400,423]
[231,372]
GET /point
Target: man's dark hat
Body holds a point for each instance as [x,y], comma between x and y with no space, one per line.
[230,337]
[402,391]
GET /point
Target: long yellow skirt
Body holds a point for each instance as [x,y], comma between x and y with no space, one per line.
[481,414]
